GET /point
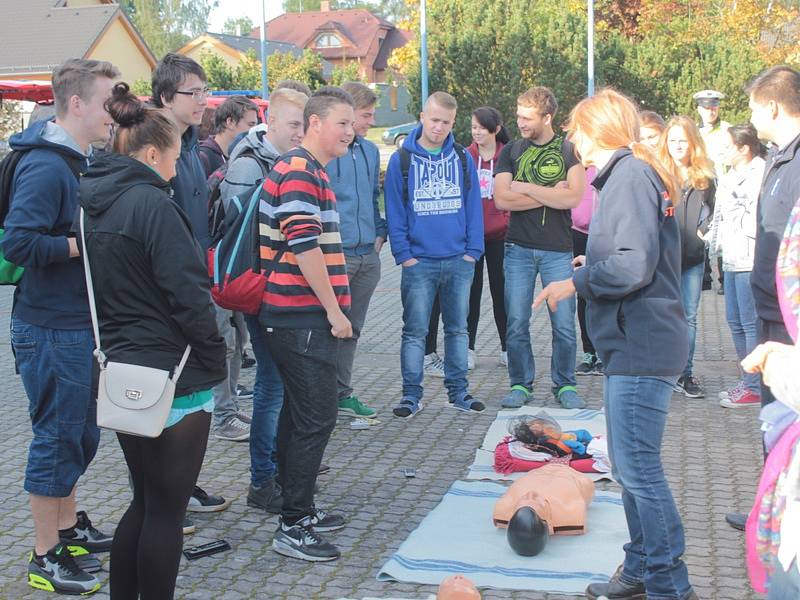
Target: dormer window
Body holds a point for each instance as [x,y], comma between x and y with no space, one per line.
[328,40]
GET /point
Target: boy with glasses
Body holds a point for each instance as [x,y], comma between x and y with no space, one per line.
[179,86]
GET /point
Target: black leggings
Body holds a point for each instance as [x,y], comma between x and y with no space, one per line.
[147,544]
[494,252]
[579,240]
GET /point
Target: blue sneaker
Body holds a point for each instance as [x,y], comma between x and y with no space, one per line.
[568,396]
[517,397]
[407,408]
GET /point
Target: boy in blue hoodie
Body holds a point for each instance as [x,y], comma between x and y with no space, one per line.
[51,329]
[435,222]
[355,179]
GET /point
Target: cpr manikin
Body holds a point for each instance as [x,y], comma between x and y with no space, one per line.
[551,500]
[457,587]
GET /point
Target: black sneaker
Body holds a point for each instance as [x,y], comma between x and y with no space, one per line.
[268,497]
[188,526]
[598,369]
[57,571]
[301,541]
[325,522]
[243,393]
[84,535]
[690,387]
[200,501]
[586,366]
[86,561]
[736,520]
[248,361]
[616,589]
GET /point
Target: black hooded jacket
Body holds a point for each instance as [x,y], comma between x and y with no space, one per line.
[150,279]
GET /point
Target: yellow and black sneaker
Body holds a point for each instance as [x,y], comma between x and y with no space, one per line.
[57,571]
[85,535]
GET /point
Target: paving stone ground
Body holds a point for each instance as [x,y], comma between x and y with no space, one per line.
[712,458]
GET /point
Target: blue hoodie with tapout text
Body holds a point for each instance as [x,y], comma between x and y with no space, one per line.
[440,218]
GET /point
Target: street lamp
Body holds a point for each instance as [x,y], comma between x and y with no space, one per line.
[423,37]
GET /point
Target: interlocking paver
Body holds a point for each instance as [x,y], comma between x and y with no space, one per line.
[712,458]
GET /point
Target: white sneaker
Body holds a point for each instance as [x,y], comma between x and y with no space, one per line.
[433,365]
[470,360]
[504,358]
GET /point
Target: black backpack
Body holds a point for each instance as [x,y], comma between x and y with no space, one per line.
[10,274]
[405,166]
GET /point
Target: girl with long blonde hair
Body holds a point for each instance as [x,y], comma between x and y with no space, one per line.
[682,150]
[630,278]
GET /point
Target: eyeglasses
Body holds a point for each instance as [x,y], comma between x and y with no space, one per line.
[197,95]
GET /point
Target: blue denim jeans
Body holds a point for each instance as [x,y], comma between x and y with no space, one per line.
[521,267]
[740,312]
[451,278]
[784,585]
[636,415]
[691,287]
[267,403]
[56,370]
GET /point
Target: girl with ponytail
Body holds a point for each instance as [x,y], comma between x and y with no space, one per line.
[630,278]
[153,299]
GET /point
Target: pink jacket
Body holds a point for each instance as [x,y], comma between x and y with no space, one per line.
[582,214]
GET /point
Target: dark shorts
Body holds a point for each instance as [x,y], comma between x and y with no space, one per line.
[56,370]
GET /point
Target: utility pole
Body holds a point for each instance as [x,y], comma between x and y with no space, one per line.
[590,49]
[423,36]
[264,83]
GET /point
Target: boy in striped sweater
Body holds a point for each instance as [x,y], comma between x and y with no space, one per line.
[303,314]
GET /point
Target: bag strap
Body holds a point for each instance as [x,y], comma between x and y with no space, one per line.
[98,353]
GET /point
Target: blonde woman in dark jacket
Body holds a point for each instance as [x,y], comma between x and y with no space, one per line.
[682,151]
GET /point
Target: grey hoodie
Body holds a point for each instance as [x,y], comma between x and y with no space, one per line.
[245,171]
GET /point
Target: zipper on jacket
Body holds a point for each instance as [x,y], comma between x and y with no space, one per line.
[358,198]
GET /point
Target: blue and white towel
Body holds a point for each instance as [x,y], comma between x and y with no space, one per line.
[594,421]
[458,537]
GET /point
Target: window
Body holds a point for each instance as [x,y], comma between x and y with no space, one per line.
[328,40]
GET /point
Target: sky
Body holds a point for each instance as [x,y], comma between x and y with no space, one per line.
[238,8]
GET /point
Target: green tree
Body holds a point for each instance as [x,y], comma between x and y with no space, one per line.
[166,25]
[307,68]
[238,26]
[347,72]
[10,119]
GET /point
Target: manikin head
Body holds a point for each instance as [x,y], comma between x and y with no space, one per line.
[457,587]
[528,529]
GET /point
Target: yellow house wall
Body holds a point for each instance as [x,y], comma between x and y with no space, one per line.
[117,47]
[197,52]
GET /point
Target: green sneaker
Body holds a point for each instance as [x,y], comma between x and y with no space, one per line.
[353,407]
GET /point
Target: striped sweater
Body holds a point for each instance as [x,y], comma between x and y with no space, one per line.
[297,213]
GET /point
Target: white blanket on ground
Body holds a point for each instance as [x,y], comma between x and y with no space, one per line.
[593,421]
[458,537]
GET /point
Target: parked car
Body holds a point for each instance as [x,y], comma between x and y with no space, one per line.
[395,136]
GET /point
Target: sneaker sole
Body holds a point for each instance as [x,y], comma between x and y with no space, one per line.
[240,438]
[40,583]
[349,412]
[78,547]
[207,509]
[725,403]
[292,552]
[690,395]
[330,528]
[189,530]
[634,597]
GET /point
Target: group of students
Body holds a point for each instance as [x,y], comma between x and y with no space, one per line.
[316,180]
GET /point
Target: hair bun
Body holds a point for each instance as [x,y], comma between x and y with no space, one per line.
[125,108]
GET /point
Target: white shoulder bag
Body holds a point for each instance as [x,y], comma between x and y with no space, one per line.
[131,399]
